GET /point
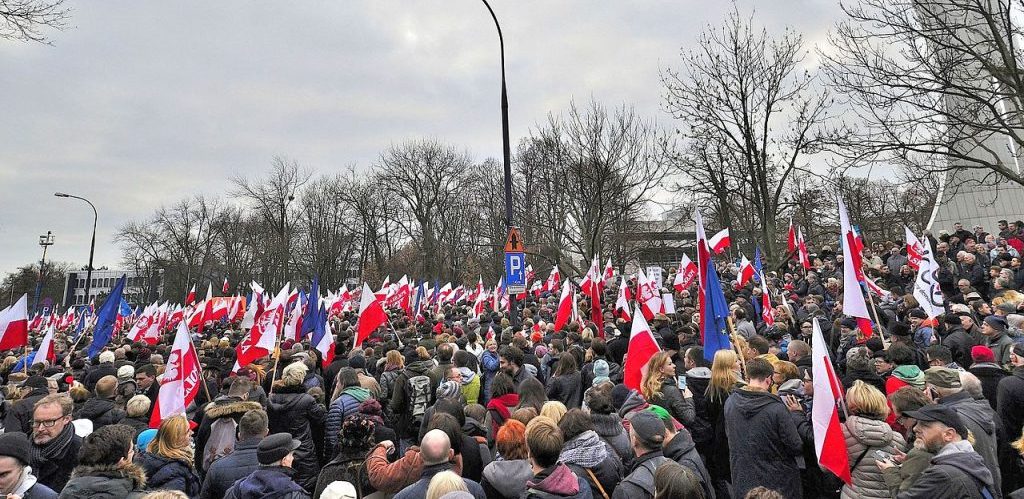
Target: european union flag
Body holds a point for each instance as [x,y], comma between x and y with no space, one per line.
[311,319]
[106,317]
[716,312]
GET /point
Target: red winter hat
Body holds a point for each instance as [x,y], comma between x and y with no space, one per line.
[982,353]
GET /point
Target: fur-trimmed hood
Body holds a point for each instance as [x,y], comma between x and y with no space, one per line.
[230,407]
[106,481]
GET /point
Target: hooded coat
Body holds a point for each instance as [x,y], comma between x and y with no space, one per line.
[609,427]
[589,452]
[106,482]
[683,450]
[400,398]
[168,473]
[957,472]
[556,482]
[489,363]
[102,412]
[980,419]
[227,470]
[266,482]
[221,407]
[294,411]
[344,406]
[567,389]
[771,459]
[506,479]
[990,375]
[864,436]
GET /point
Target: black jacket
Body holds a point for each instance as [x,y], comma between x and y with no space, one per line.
[166,473]
[866,375]
[990,375]
[671,398]
[19,416]
[294,411]
[227,470]
[567,389]
[960,343]
[1010,402]
[348,467]
[102,412]
[771,459]
[958,475]
[400,399]
[106,482]
[54,473]
[94,374]
[682,450]
[140,424]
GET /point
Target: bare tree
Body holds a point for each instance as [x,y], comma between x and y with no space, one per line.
[26,20]
[744,99]
[935,86]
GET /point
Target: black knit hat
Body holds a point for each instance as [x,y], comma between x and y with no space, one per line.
[16,445]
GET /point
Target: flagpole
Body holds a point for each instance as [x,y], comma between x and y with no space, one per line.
[277,357]
[736,346]
[881,330]
[206,388]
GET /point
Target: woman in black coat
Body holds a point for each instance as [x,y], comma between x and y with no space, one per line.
[659,386]
[292,410]
[168,460]
[565,385]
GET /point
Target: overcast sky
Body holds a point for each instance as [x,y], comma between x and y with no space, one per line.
[141,103]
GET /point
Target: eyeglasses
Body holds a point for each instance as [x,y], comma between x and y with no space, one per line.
[46,423]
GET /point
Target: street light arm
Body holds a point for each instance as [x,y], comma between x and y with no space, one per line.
[501,39]
[92,244]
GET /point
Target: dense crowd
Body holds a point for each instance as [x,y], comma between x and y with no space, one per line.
[448,405]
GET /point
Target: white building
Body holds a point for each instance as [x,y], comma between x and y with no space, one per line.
[137,290]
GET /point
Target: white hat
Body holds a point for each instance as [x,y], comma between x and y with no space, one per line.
[339,490]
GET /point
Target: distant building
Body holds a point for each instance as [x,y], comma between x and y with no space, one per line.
[138,289]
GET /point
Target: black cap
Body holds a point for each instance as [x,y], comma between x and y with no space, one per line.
[275,447]
[16,445]
[939,413]
[35,382]
[849,323]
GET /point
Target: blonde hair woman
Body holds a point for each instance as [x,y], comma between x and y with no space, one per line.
[659,386]
[866,431]
[554,410]
[445,482]
[168,459]
[725,379]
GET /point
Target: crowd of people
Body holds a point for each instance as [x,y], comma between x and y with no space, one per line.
[448,405]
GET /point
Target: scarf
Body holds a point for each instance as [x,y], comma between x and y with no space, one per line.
[55,448]
[586,450]
[502,403]
[357,392]
[26,482]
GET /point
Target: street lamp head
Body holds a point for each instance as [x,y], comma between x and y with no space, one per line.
[61,195]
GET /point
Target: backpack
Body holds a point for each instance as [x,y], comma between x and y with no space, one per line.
[418,388]
[221,442]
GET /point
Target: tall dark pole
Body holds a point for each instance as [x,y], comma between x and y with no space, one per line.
[92,245]
[506,152]
[45,242]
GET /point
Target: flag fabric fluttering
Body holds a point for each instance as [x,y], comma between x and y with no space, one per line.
[622,302]
[566,305]
[802,254]
[106,318]
[224,287]
[642,346]
[716,313]
[371,316]
[926,286]
[853,298]
[323,338]
[914,249]
[791,238]
[46,351]
[703,257]
[262,338]
[685,274]
[829,443]
[181,379]
[746,271]
[720,241]
[14,325]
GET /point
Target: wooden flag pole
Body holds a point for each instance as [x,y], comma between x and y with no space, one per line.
[736,346]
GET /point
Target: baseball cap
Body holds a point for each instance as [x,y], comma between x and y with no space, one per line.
[942,377]
[941,414]
[275,447]
[648,428]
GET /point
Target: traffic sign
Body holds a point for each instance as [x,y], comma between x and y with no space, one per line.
[515,272]
[514,243]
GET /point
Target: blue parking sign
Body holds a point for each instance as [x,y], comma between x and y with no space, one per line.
[515,272]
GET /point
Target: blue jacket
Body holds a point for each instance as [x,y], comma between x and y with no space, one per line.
[342,407]
[419,488]
[267,481]
[489,366]
[166,473]
[227,470]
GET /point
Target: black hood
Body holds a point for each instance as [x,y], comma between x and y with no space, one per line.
[94,408]
[969,462]
[751,402]
[680,445]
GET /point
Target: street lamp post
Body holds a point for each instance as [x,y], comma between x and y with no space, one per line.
[44,241]
[92,245]
[505,148]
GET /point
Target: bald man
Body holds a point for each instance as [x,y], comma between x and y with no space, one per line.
[436,451]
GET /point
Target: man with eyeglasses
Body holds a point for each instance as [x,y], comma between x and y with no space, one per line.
[54,443]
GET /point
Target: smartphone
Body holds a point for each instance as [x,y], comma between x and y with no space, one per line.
[882,455]
[681,381]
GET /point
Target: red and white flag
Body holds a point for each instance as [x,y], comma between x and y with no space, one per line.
[703,257]
[592,287]
[149,319]
[293,328]
[14,325]
[566,306]
[622,302]
[180,382]
[207,314]
[915,250]
[720,241]
[791,238]
[371,316]
[648,296]
[853,298]
[224,287]
[554,280]
[829,443]
[685,275]
[190,299]
[262,337]
[746,271]
[803,255]
[480,296]
[766,303]
[609,272]
[642,346]
[46,351]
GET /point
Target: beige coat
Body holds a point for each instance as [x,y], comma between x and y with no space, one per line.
[862,434]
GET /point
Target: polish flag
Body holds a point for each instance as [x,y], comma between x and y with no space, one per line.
[207,314]
[622,302]
[746,271]
[191,298]
[803,254]
[703,257]
[685,274]
[648,297]
[224,287]
[791,238]
[14,325]
[537,288]
[479,299]
[180,382]
[176,316]
[915,250]
[609,272]
[766,303]
[293,328]
[46,351]
[829,443]
[642,346]
[262,339]
[853,298]
[566,305]
[146,320]
[592,288]
[371,316]
[554,280]
[323,338]
[720,241]
[878,291]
